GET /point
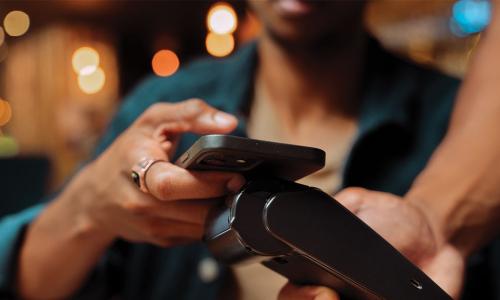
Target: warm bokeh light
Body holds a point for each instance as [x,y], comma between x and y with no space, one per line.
[85,61]
[165,63]
[16,23]
[222,19]
[92,83]
[2,36]
[5,112]
[219,45]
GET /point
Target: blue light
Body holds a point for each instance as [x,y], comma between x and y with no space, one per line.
[470,16]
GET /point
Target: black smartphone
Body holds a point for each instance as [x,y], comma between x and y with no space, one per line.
[252,158]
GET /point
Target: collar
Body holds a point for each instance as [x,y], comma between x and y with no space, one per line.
[389,87]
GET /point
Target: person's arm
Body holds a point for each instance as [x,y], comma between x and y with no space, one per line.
[101,203]
[460,186]
[453,207]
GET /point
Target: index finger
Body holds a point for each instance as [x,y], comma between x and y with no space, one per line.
[191,115]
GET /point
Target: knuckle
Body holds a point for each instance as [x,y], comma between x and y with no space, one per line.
[155,107]
[192,108]
[353,190]
[149,113]
[195,102]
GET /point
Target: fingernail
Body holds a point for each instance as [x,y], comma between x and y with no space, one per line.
[223,119]
[235,184]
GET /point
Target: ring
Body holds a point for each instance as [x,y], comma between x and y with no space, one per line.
[138,172]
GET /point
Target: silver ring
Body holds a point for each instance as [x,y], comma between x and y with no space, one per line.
[139,170]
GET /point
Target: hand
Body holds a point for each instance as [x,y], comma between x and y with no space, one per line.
[109,202]
[294,292]
[408,229]
[102,203]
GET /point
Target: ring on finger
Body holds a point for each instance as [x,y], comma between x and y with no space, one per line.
[139,171]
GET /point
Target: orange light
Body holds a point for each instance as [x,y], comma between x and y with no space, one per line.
[85,60]
[92,83]
[222,19]
[16,23]
[165,63]
[219,45]
[5,112]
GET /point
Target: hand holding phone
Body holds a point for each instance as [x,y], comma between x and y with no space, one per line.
[253,158]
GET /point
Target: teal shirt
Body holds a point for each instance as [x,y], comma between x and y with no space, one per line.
[403,116]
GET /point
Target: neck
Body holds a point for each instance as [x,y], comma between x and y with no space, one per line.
[305,80]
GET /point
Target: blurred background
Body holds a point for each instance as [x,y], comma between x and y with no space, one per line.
[66,65]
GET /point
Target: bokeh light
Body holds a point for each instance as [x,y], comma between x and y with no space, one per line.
[222,19]
[165,63]
[92,83]
[5,112]
[85,60]
[2,36]
[8,146]
[16,23]
[470,16]
[219,45]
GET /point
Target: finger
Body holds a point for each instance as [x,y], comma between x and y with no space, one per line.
[294,292]
[191,115]
[166,181]
[194,213]
[171,242]
[447,269]
[167,232]
[188,211]
[351,198]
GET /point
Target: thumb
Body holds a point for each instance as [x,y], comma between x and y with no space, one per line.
[295,292]
[192,115]
[351,198]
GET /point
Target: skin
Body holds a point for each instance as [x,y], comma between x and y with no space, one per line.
[438,235]
[102,204]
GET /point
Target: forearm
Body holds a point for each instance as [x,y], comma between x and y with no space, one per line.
[460,187]
[60,249]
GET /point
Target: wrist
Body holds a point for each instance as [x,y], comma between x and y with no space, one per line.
[51,241]
[432,216]
[444,225]
[79,202]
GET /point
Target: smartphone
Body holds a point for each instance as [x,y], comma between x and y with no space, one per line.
[253,158]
